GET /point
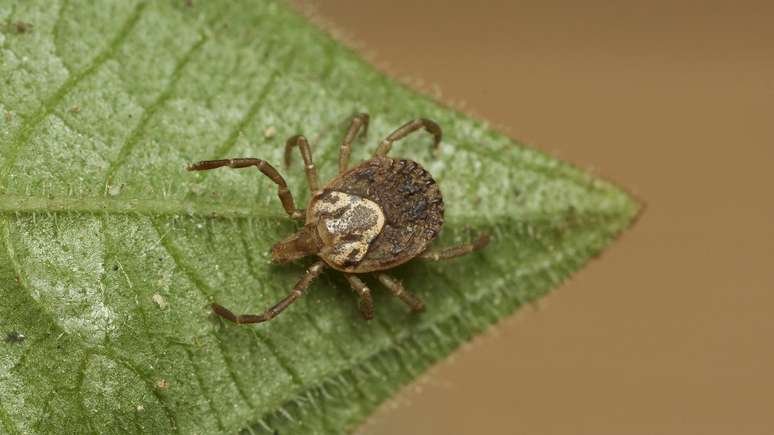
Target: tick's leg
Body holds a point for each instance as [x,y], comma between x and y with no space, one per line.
[454,251]
[397,289]
[408,128]
[282,188]
[298,291]
[366,301]
[358,121]
[306,153]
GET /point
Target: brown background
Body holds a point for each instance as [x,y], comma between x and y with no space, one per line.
[671,332]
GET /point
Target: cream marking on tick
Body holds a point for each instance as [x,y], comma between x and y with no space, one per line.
[347,223]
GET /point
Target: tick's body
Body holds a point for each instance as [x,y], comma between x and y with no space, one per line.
[397,200]
[370,218]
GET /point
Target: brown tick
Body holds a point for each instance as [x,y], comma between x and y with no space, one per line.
[368,219]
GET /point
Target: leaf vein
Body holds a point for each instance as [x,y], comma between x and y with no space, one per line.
[229,364]
[56,30]
[17,269]
[136,134]
[80,377]
[204,290]
[266,341]
[149,384]
[233,135]
[337,347]
[200,381]
[29,125]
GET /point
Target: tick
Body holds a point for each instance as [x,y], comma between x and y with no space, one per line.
[367,219]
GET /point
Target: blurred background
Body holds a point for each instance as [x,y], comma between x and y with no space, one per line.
[671,330]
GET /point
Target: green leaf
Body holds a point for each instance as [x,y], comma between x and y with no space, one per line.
[110,252]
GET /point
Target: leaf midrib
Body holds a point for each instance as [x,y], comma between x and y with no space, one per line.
[13,204]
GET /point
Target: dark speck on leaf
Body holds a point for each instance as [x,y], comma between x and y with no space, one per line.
[15,337]
[19,26]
